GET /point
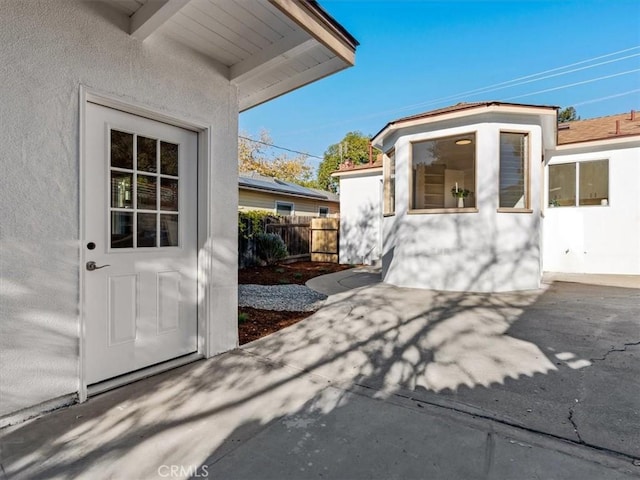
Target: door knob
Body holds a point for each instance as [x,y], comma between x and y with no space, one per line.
[91,266]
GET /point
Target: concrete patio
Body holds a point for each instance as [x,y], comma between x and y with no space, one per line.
[382,382]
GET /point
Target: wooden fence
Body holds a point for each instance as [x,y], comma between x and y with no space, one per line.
[295,232]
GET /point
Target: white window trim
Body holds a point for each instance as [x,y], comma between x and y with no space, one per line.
[290,204]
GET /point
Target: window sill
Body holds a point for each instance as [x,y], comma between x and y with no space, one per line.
[515,210]
[443,210]
[389,214]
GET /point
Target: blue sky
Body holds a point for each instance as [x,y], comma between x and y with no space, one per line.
[416,56]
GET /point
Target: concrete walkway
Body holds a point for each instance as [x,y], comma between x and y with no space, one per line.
[382,382]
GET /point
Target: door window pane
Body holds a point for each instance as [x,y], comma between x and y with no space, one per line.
[594,183]
[147,160]
[121,149]
[147,231]
[121,189]
[121,229]
[513,167]
[169,230]
[169,194]
[168,158]
[147,187]
[562,185]
[443,173]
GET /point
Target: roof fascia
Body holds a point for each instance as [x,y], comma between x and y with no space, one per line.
[287,194]
[320,26]
[603,142]
[359,171]
[467,112]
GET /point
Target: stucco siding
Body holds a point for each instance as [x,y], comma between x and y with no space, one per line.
[483,250]
[360,218]
[47,50]
[597,239]
[266,202]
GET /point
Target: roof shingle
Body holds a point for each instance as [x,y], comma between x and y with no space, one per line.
[600,128]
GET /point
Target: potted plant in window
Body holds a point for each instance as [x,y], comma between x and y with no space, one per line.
[460,194]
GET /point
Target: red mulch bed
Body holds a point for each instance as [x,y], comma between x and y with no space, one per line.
[260,323]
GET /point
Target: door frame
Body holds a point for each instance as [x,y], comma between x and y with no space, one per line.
[204,214]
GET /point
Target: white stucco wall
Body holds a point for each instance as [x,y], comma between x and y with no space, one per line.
[47,50]
[484,251]
[360,217]
[597,239]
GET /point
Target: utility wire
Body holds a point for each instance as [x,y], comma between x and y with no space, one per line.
[574,84]
[494,87]
[594,100]
[280,148]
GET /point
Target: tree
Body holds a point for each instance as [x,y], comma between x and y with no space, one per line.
[568,114]
[354,147]
[254,156]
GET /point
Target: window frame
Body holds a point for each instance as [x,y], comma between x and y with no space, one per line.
[577,166]
[429,211]
[320,208]
[387,185]
[527,173]
[290,204]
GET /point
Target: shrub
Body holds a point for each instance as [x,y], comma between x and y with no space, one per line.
[270,247]
[242,317]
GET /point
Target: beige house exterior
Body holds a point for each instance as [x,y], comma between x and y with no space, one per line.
[257,192]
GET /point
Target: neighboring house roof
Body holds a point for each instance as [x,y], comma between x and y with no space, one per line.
[459,107]
[255,181]
[270,47]
[349,167]
[600,128]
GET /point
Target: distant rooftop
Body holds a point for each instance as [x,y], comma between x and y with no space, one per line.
[600,128]
[255,181]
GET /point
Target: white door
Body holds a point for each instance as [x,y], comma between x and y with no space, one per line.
[140,233]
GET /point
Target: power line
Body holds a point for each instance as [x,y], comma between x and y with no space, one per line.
[594,100]
[574,84]
[280,148]
[494,87]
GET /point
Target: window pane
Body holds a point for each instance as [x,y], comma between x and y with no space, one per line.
[390,183]
[443,170]
[121,190]
[169,230]
[594,183]
[147,187]
[147,160]
[147,231]
[121,230]
[323,211]
[513,164]
[284,209]
[168,159]
[121,149]
[169,194]
[562,185]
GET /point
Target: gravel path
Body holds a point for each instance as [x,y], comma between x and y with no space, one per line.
[291,298]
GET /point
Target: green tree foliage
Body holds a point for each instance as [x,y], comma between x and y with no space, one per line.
[254,155]
[568,114]
[355,148]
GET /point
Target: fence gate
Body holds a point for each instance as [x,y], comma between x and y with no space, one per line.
[324,239]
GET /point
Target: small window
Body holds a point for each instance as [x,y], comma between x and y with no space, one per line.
[284,209]
[562,185]
[389,183]
[443,173]
[323,211]
[591,187]
[594,182]
[513,171]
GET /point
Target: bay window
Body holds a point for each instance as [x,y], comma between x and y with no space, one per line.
[443,173]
